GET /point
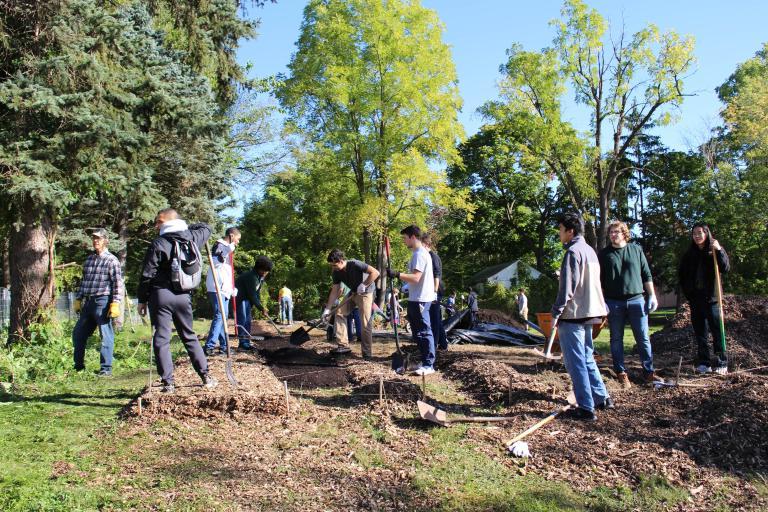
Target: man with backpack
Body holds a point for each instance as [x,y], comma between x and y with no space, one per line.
[172,269]
[222,252]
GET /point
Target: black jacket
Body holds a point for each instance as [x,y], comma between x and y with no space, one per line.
[156,270]
[697,273]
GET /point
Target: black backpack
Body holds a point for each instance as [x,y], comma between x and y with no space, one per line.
[186,265]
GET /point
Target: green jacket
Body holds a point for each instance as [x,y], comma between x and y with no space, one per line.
[623,271]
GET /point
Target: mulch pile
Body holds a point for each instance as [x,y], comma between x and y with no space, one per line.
[746,332]
[498,317]
[259,392]
[366,376]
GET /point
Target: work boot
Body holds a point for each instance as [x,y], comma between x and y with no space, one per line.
[209,382]
[650,378]
[607,405]
[105,373]
[623,380]
[580,414]
[209,352]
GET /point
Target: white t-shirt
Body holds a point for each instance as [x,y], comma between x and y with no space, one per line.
[424,290]
[221,251]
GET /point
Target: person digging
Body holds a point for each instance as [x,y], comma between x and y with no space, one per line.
[222,260]
[578,306]
[359,277]
[421,294]
[249,286]
[624,275]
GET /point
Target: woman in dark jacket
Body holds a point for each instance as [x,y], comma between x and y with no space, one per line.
[697,280]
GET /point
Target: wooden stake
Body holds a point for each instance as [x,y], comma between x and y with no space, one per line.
[677,374]
[509,391]
[381,391]
[287,398]
[423,387]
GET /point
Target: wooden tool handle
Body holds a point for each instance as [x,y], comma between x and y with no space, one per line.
[537,426]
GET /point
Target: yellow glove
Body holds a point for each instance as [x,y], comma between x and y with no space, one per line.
[114,310]
[78,305]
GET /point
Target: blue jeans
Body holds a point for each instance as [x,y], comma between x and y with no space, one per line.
[218,324]
[244,321]
[94,313]
[634,310]
[576,344]
[354,318]
[418,317]
[286,309]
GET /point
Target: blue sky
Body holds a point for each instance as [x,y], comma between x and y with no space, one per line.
[479,32]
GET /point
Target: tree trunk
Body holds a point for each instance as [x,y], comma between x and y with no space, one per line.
[31,249]
[6,264]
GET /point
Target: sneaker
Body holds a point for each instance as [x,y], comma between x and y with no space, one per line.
[624,380]
[209,382]
[341,350]
[722,368]
[209,352]
[424,370]
[650,378]
[168,389]
[580,414]
[607,405]
[367,357]
[105,373]
[703,368]
[245,348]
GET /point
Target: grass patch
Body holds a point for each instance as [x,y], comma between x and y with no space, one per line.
[464,479]
[653,493]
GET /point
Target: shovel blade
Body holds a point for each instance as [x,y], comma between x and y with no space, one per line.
[545,355]
[431,413]
[230,373]
[299,336]
[398,362]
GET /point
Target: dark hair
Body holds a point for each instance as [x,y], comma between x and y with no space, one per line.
[232,231]
[426,239]
[707,231]
[263,264]
[521,290]
[335,256]
[572,221]
[412,230]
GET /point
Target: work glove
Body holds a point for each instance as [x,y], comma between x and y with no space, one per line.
[234,292]
[520,449]
[114,310]
[653,303]
[326,315]
[361,288]
[393,274]
[78,305]
[141,309]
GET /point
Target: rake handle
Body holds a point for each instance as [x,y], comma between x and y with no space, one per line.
[537,426]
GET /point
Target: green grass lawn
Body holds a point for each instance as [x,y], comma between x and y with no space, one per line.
[656,322]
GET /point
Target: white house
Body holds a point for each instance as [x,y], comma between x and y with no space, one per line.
[504,273]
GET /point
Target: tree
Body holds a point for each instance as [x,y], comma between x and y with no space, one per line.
[95,112]
[373,88]
[626,83]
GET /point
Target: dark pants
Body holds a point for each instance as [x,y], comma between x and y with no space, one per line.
[705,317]
[418,317]
[166,307]
[354,318]
[244,321]
[94,313]
[436,322]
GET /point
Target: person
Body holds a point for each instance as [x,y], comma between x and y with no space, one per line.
[249,285]
[421,294]
[435,309]
[353,320]
[624,275]
[472,306]
[359,277]
[166,305]
[522,307]
[395,316]
[697,280]
[578,306]
[286,305]
[222,254]
[98,302]
[450,304]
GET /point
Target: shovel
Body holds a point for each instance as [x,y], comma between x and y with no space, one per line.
[301,335]
[228,365]
[547,354]
[439,416]
[398,359]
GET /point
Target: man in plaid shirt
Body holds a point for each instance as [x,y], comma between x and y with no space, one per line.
[98,302]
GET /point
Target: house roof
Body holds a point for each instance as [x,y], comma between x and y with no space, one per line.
[487,272]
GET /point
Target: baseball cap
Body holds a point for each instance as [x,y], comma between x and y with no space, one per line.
[99,232]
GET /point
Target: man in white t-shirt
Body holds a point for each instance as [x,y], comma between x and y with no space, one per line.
[221,253]
[421,293]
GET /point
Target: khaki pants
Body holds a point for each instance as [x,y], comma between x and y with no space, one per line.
[364,303]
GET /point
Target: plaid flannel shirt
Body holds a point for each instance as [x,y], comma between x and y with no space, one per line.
[101,276]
